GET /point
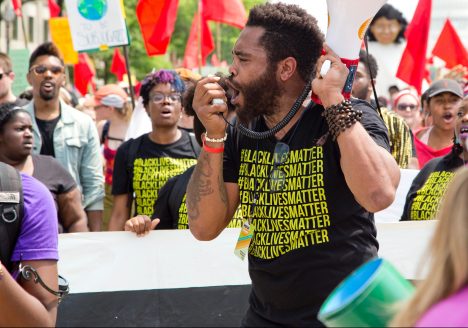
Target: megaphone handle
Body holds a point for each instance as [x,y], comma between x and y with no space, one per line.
[352,67]
[325,68]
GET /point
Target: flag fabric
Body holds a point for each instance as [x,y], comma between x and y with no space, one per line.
[54,8]
[83,73]
[157,19]
[118,66]
[17,7]
[412,67]
[191,49]
[450,48]
[230,12]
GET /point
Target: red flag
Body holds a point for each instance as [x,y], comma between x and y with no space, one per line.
[191,49]
[54,8]
[118,65]
[17,7]
[230,12]
[83,73]
[157,19]
[412,67]
[450,48]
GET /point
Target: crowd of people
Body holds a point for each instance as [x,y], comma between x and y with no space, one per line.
[195,165]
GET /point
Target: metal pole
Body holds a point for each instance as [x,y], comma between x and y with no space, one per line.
[25,36]
[7,30]
[129,75]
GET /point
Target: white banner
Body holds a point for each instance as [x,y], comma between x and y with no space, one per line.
[96,24]
[120,261]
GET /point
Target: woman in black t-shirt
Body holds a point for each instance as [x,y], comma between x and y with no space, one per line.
[16,143]
[428,187]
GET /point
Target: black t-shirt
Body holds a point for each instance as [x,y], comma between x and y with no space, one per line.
[53,175]
[170,206]
[46,128]
[312,234]
[428,187]
[152,166]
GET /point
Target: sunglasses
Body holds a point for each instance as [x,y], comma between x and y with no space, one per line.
[277,175]
[4,74]
[158,98]
[42,69]
[405,106]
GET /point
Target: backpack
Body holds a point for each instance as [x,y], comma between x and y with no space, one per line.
[11,210]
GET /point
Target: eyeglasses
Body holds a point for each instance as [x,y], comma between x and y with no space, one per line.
[381,28]
[277,175]
[42,69]
[404,106]
[4,74]
[158,98]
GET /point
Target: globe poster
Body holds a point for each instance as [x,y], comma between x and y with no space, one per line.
[96,24]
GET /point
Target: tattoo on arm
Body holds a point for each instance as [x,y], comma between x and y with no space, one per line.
[201,185]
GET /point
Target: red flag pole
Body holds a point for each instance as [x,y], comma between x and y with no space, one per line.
[200,56]
[129,76]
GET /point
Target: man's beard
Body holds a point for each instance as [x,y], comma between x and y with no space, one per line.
[259,96]
[46,96]
[360,93]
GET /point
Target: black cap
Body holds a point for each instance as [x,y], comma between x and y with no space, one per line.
[445,85]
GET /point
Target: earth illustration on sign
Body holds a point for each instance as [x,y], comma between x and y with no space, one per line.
[92,9]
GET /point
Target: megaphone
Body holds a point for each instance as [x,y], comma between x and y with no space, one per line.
[348,21]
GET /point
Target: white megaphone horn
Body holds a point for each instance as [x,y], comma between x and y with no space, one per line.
[348,21]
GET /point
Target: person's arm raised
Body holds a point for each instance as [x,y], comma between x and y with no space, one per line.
[210,202]
[371,172]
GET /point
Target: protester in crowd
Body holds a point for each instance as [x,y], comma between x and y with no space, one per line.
[170,211]
[399,134]
[113,115]
[63,132]
[443,100]
[440,299]
[190,78]
[406,105]
[143,165]
[86,105]
[309,190]
[7,77]
[429,185]
[25,303]
[386,43]
[16,141]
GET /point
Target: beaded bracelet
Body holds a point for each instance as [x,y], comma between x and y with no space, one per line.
[216,140]
[341,117]
[209,149]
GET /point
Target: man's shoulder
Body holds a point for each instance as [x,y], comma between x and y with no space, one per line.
[67,110]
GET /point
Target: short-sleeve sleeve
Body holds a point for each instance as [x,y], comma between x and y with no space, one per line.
[38,239]
[120,177]
[373,123]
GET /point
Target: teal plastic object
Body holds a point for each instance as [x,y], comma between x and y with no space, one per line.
[368,297]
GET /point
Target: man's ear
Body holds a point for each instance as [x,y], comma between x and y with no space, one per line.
[287,67]
[12,76]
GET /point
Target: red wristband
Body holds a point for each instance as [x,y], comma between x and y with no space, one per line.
[212,150]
